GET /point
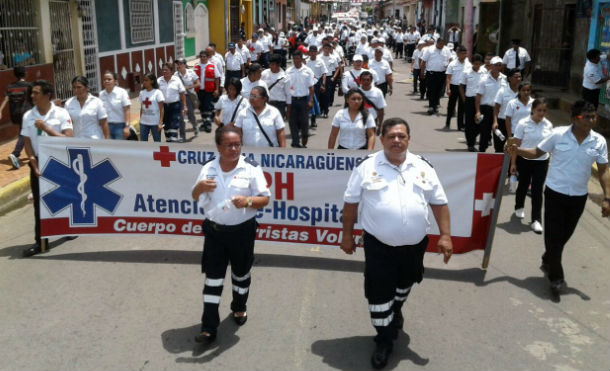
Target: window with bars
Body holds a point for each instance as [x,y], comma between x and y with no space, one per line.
[142,22]
[19,34]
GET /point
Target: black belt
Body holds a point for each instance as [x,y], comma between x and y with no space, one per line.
[233,70]
[225,228]
[300,98]
[436,71]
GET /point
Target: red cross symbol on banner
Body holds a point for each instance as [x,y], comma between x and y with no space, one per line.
[147,103]
[164,156]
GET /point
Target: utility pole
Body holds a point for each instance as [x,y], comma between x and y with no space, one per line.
[468,27]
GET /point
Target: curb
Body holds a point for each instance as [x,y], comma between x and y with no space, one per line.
[14,195]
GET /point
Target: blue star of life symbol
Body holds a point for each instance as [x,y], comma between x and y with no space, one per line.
[80,186]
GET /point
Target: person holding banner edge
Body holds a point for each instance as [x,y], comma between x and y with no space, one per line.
[230,188]
[395,188]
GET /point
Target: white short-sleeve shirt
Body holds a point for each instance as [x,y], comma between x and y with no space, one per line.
[382,69]
[246,179]
[278,85]
[171,89]
[301,79]
[352,134]
[188,79]
[375,96]
[570,167]
[270,119]
[517,111]
[532,133]
[318,67]
[149,103]
[471,79]
[504,95]
[115,103]
[56,118]
[509,58]
[436,59]
[247,85]
[86,120]
[394,199]
[234,61]
[227,106]
[489,87]
[456,70]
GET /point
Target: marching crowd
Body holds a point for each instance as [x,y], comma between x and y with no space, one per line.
[251,92]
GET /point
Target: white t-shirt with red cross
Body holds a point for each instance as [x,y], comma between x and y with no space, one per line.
[149,101]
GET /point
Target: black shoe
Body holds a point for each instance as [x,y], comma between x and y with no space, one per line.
[205,337]
[446,128]
[240,320]
[557,286]
[430,111]
[471,149]
[380,356]
[31,251]
[207,128]
[296,146]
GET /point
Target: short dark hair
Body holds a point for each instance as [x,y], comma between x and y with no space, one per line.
[298,53]
[212,44]
[512,72]
[275,58]
[538,102]
[169,65]
[366,73]
[593,53]
[477,58]
[254,67]
[223,130]
[393,122]
[81,80]
[262,91]
[19,72]
[235,82]
[461,48]
[490,54]
[313,48]
[45,87]
[581,106]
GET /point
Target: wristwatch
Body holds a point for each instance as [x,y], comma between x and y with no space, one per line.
[249,200]
[607,199]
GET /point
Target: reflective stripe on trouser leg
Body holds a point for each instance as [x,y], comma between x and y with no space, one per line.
[212,291]
[402,294]
[241,289]
[381,314]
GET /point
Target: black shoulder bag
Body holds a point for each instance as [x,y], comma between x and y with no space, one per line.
[261,127]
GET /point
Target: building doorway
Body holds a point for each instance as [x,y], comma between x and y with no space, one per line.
[202,28]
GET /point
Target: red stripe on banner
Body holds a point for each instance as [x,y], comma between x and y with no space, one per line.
[192,227]
[489,167]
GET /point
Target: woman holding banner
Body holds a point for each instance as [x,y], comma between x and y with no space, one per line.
[354,125]
[230,188]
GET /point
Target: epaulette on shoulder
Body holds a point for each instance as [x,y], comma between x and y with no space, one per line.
[425,160]
[365,158]
[251,161]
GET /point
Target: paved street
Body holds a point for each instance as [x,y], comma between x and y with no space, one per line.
[134,303]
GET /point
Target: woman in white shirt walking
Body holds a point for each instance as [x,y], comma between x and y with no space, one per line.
[117,104]
[151,108]
[528,133]
[518,108]
[87,112]
[230,104]
[175,102]
[354,125]
[261,124]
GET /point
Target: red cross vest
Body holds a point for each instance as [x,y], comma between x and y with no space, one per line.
[209,77]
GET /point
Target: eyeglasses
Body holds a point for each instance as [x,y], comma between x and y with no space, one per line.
[587,117]
[232,145]
[255,96]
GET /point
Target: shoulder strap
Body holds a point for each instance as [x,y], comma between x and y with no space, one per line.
[261,127]
[368,100]
[236,109]
[276,81]
[355,79]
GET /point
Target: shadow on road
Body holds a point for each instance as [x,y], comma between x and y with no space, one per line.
[514,226]
[536,285]
[16,252]
[182,340]
[359,350]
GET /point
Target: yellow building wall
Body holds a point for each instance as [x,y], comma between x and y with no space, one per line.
[246,17]
[217,24]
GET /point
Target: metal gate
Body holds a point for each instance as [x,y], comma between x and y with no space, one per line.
[178,31]
[63,48]
[92,70]
[552,44]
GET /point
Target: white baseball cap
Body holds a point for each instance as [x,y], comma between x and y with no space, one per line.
[357,57]
[495,60]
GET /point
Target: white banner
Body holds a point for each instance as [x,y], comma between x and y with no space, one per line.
[125,187]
